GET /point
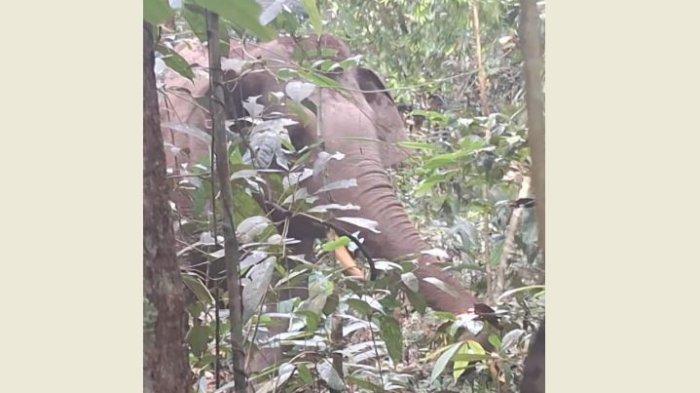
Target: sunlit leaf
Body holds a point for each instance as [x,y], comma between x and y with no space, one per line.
[156,12]
[460,366]
[333,245]
[314,15]
[443,360]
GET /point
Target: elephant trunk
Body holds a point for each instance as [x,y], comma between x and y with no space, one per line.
[398,236]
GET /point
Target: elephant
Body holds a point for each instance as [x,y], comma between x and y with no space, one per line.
[360,121]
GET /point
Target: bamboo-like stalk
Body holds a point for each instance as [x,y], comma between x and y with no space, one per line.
[231,256]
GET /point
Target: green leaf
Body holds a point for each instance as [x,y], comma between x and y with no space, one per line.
[495,341]
[176,62]
[428,184]
[460,366]
[156,12]
[333,245]
[442,160]
[312,320]
[198,288]
[305,374]
[391,333]
[360,306]
[417,145]
[198,337]
[319,80]
[442,361]
[244,14]
[314,15]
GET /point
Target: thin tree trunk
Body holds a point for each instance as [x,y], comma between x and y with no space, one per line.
[514,225]
[165,366]
[231,256]
[534,369]
[483,81]
[534,100]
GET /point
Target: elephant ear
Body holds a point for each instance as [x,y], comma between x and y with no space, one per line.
[387,119]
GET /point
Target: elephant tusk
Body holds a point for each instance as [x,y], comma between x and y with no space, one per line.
[346,260]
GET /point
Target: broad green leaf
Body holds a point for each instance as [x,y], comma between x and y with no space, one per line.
[460,366]
[244,14]
[391,333]
[314,15]
[198,288]
[360,306]
[198,337]
[442,361]
[156,12]
[176,62]
[333,245]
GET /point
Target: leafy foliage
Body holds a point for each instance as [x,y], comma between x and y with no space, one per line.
[459,186]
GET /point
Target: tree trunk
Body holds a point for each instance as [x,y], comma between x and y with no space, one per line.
[534,373]
[534,100]
[231,255]
[165,366]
